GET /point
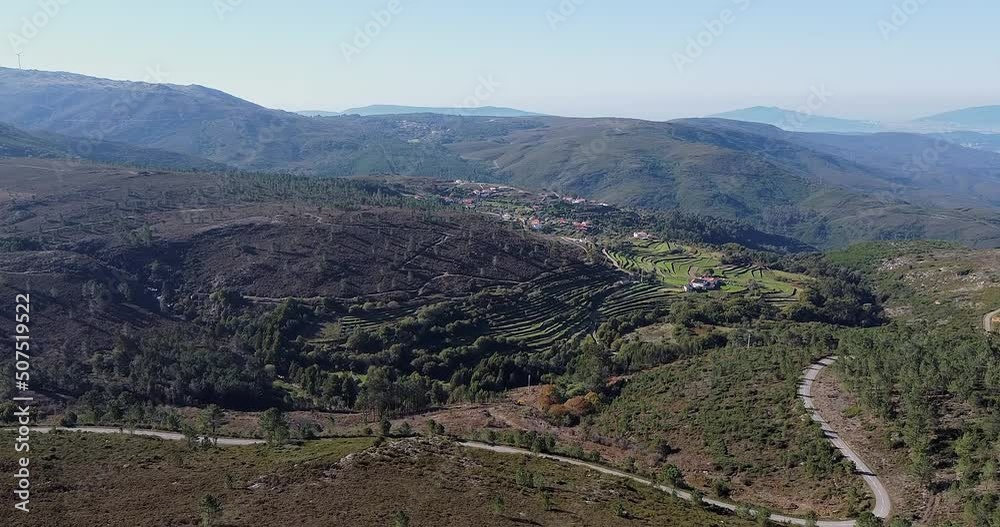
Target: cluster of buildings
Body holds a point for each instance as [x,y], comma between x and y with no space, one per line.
[705,283]
[536,221]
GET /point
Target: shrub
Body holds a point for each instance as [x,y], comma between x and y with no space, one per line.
[69,419]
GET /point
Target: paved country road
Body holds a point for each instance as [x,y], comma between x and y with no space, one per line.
[883,505]
[170,436]
[988,321]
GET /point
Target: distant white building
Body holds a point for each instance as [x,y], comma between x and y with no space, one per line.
[705,283]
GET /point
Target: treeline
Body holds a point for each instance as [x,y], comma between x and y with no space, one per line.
[17,244]
[915,377]
[163,367]
[682,226]
[333,192]
[838,294]
[435,355]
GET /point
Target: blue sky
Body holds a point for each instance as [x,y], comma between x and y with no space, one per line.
[599,57]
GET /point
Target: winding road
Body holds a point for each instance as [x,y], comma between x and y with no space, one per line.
[988,321]
[883,505]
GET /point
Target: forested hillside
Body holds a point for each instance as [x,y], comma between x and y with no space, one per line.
[826,190]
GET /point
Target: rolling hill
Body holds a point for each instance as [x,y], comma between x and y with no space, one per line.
[919,168]
[810,187]
[826,189]
[483,111]
[979,141]
[18,143]
[388,109]
[318,113]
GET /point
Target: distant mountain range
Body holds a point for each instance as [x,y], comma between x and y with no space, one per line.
[824,189]
[984,120]
[798,121]
[385,109]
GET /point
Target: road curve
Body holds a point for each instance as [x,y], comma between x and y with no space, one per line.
[883,505]
[988,321]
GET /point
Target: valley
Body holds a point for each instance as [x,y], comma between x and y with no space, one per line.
[349,303]
[665,346]
[462,313]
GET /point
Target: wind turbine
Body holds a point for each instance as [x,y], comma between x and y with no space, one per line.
[19,59]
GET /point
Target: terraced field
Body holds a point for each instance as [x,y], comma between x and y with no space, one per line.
[562,303]
[635,298]
[575,300]
[554,306]
[674,266]
[343,327]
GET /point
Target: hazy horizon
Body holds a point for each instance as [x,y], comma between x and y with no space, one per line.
[882,60]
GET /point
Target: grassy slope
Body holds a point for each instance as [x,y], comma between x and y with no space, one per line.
[122,481]
[675,265]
